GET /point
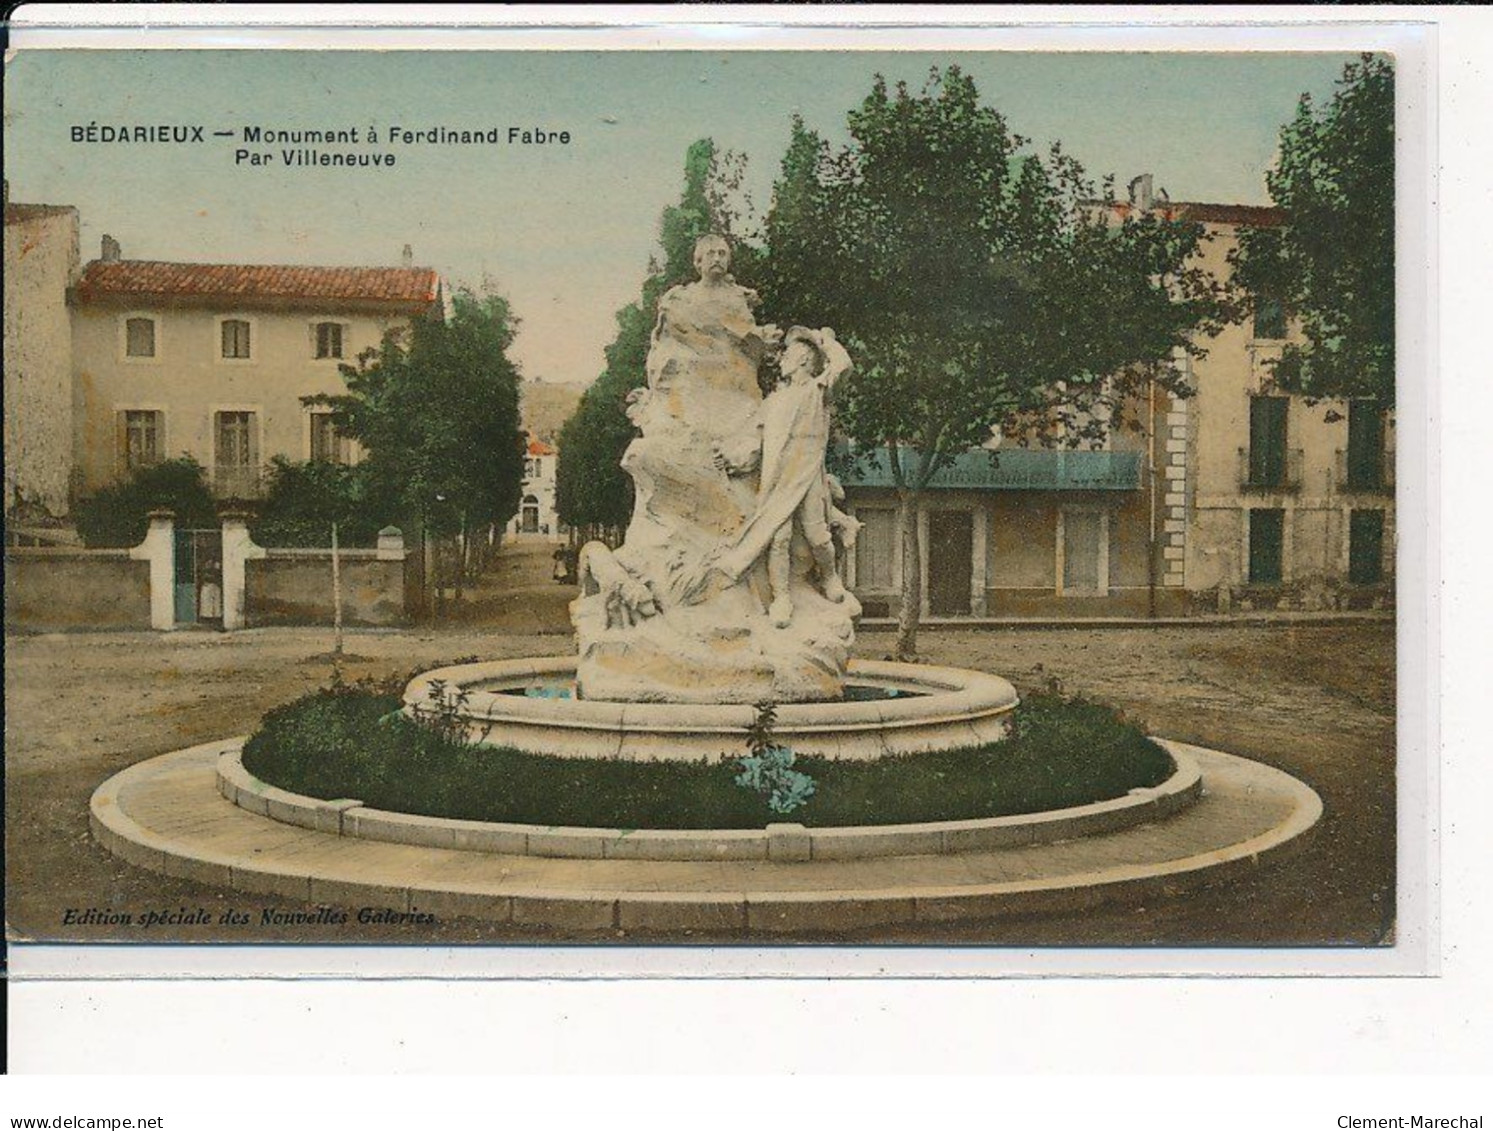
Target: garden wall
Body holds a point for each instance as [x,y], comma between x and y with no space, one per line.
[63,588]
[295,587]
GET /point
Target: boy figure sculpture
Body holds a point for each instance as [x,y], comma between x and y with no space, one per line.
[794,493]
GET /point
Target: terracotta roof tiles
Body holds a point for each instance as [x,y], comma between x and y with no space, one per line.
[1240,215]
[401,286]
[1244,215]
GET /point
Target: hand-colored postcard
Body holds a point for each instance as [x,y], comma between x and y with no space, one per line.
[721,496]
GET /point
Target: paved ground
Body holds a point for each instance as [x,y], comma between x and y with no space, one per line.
[1317,702]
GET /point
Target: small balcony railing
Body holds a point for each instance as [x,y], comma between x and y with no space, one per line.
[1260,472]
[1365,477]
[236,482]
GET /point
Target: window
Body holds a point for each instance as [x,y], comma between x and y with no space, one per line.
[1090,427]
[143,435]
[1270,319]
[140,337]
[328,445]
[235,339]
[328,339]
[1085,552]
[1267,441]
[1366,547]
[875,549]
[236,471]
[1266,542]
[1365,445]
[531,469]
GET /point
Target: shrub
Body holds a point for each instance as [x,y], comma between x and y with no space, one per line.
[354,742]
[119,515]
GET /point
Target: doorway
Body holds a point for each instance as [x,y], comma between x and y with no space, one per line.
[951,543]
[198,597]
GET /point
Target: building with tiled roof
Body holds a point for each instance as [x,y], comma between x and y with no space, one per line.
[537,516]
[213,360]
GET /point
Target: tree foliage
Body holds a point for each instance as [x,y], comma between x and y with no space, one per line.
[304,499]
[119,515]
[1332,263]
[590,486]
[975,283]
[978,286]
[591,489]
[436,408]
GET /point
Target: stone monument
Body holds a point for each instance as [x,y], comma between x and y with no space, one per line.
[726,588]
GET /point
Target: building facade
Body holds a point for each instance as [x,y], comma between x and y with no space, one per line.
[1014,532]
[537,517]
[1238,498]
[41,263]
[212,361]
[1286,504]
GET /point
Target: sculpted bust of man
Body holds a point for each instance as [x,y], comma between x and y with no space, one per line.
[707,328]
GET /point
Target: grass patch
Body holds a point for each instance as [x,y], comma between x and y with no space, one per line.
[351,742]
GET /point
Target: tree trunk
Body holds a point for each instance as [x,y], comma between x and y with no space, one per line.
[909,503]
[432,582]
[488,549]
[461,560]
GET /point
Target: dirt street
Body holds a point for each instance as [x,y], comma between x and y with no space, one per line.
[1317,702]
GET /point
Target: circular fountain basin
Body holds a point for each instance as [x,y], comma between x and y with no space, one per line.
[889,709]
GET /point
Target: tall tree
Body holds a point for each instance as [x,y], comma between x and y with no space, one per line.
[591,489]
[437,409]
[978,286]
[1332,263]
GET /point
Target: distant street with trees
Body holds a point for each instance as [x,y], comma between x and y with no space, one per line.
[436,410]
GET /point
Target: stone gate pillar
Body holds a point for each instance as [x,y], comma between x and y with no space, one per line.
[159,549]
[238,548]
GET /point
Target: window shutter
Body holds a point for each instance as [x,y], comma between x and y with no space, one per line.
[1365,444]
[1269,319]
[1366,547]
[1267,441]
[1266,542]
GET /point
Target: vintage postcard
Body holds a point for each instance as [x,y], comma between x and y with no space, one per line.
[840,495]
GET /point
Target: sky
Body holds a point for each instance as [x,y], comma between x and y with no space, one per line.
[565,231]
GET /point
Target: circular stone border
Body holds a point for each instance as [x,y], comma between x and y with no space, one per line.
[158,815]
[954,708]
[782,842]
